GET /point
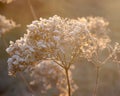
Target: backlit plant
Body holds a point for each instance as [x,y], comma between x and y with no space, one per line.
[59,43]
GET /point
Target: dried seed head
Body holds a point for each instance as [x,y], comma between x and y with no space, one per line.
[58,37]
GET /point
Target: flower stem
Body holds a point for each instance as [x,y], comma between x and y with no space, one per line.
[4,41]
[32,9]
[68,82]
[25,81]
[118,66]
[97,81]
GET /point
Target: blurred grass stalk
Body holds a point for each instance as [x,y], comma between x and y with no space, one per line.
[32,10]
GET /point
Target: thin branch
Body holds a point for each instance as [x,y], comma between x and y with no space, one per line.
[25,81]
[58,63]
[108,57]
[32,9]
[4,41]
[76,53]
[118,65]
[96,82]
[63,62]
[55,60]
[68,82]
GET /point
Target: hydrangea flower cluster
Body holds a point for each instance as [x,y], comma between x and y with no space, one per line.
[49,76]
[6,1]
[60,39]
[6,25]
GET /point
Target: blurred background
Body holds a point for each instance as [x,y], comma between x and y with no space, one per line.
[84,75]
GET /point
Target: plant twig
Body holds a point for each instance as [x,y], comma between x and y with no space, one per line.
[58,63]
[25,81]
[118,65]
[32,9]
[97,81]
[76,53]
[4,41]
[68,82]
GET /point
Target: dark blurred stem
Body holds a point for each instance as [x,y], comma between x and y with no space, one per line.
[4,41]
[32,9]
[25,81]
[97,81]
[118,66]
[68,81]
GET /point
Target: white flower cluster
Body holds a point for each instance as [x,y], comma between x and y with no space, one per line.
[48,75]
[99,28]
[6,1]
[21,55]
[58,37]
[6,25]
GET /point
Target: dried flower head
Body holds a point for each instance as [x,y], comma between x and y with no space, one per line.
[57,38]
[6,25]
